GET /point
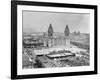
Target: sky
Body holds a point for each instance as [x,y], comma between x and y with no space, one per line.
[36,21]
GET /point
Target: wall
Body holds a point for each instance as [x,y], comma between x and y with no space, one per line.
[5,42]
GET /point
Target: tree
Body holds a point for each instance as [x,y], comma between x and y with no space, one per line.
[67,32]
[50,31]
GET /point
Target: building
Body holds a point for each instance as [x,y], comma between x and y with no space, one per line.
[47,39]
[55,41]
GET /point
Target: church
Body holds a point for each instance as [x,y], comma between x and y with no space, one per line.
[47,39]
[50,40]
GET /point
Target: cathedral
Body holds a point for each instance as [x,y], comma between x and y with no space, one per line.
[50,40]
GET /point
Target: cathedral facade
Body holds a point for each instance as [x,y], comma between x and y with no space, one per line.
[56,42]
